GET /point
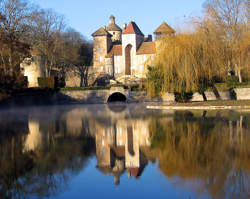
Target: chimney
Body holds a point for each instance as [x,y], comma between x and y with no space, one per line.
[112,19]
[150,38]
[124,26]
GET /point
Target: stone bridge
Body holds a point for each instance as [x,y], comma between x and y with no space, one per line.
[99,96]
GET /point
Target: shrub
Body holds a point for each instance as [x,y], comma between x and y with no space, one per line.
[12,82]
[183,96]
[232,82]
[138,87]
[47,82]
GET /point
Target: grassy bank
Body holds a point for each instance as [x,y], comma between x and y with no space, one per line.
[214,103]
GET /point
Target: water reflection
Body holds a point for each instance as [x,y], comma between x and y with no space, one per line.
[42,149]
[118,147]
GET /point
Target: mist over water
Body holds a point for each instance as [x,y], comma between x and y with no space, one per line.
[123,151]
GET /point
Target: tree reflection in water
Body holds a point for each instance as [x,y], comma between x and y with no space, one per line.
[212,152]
[38,159]
[40,151]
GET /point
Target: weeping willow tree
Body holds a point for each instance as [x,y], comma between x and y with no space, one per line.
[187,62]
[217,46]
[211,153]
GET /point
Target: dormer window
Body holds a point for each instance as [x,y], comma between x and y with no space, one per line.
[100,49]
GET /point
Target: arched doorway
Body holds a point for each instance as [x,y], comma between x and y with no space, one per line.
[128,59]
[117,97]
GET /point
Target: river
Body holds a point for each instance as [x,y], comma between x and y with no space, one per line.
[123,151]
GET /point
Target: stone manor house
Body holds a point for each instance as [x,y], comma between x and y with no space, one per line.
[123,53]
[118,54]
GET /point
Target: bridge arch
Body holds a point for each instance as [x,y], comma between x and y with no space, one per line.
[117,97]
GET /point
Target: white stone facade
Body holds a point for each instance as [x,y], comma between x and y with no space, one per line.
[128,53]
[33,68]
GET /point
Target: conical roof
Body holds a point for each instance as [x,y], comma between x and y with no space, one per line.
[113,27]
[132,28]
[164,28]
[101,32]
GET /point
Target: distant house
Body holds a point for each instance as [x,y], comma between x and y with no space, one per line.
[122,53]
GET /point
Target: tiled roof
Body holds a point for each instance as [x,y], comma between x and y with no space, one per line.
[134,172]
[164,28]
[116,50]
[101,32]
[146,48]
[113,27]
[132,28]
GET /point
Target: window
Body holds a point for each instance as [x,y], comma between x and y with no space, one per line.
[100,49]
[118,58]
[141,68]
[100,59]
[119,131]
[101,68]
[117,69]
[120,143]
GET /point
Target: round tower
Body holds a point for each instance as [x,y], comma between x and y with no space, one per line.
[114,29]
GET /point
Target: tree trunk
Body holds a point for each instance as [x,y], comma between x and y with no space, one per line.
[238,72]
[86,76]
[81,80]
[5,68]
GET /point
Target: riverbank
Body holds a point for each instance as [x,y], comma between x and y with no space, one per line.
[207,105]
[36,97]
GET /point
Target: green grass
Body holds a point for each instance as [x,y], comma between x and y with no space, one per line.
[221,87]
[92,88]
[85,88]
[225,87]
[215,103]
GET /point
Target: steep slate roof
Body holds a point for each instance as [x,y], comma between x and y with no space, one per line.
[132,28]
[164,28]
[101,32]
[113,27]
[116,50]
[146,48]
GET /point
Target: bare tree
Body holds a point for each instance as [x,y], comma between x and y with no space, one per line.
[15,18]
[232,16]
[47,28]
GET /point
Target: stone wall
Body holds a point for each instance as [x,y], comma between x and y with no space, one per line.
[210,95]
[99,97]
[101,46]
[89,96]
[72,80]
[197,97]
[242,93]
[224,95]
[33,68]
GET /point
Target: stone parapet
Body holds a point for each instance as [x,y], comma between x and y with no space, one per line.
[242,93]
[210,96]
[168,97]
[197,97]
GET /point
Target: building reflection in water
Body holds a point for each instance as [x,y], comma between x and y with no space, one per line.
[118,148]
[33,140]
[208,151]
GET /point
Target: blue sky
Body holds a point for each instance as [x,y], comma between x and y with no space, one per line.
[86,16]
